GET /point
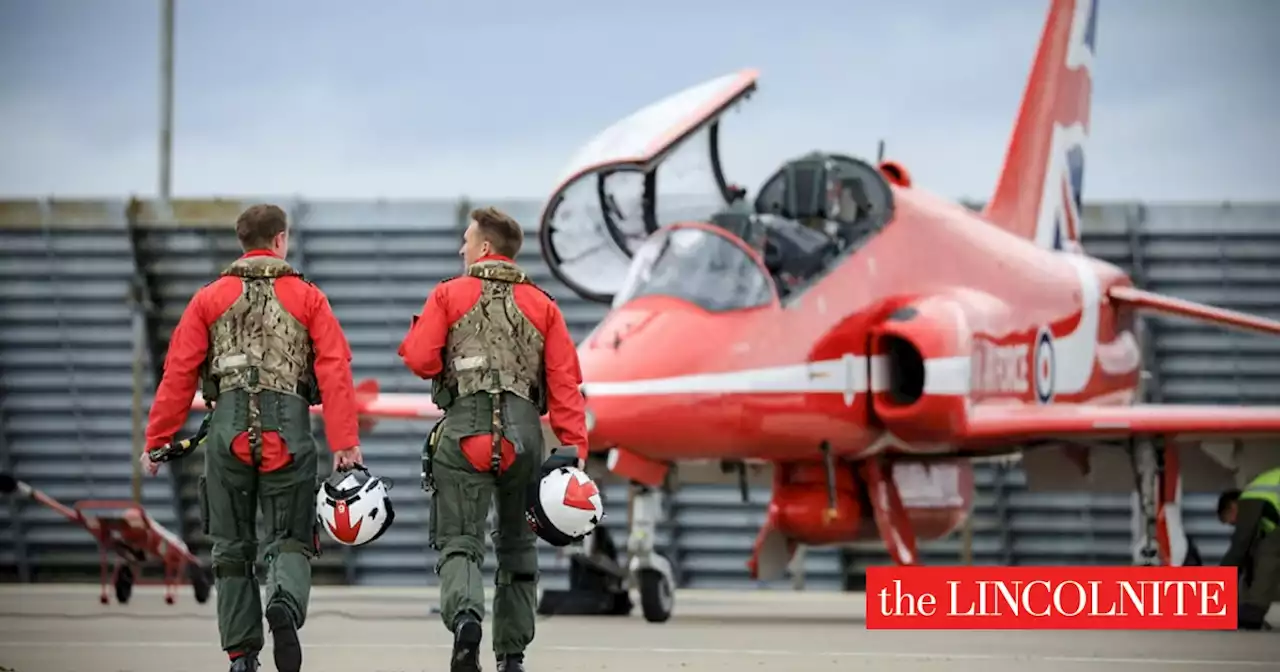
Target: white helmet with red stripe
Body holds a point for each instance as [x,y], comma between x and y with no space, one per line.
[354,507]
[564,505]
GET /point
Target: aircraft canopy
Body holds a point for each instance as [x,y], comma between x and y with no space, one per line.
[703,266]
[658,166]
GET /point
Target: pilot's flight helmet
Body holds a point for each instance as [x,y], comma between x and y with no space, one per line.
[564,504]
[354,506]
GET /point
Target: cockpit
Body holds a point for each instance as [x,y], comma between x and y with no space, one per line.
[813,211]
[644,209]
[808,215]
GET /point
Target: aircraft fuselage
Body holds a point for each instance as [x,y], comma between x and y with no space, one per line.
[1009,322]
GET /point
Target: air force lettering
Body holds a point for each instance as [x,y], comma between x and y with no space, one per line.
[1000,369]
[1059,365]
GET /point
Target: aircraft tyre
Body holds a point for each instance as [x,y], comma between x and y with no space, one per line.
[124,584]
[657,595]
[201,582]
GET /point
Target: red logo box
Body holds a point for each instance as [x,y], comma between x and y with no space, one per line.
[1051,598]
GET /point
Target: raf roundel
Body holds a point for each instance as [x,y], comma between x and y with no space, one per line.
[1044,366]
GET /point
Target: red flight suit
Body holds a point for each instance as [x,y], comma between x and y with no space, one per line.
[422,347]
[190,342]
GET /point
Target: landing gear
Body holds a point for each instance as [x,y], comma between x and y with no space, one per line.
[650,570]
[657,595]
[891,516]
[600,586]
[201,582]
[124,584]
[1147,470]
[1159,537]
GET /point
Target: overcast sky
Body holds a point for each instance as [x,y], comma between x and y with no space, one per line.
[422,99]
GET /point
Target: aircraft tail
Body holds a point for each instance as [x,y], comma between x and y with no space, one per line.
[1038,195]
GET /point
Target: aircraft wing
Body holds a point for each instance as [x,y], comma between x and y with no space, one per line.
[373,405]
[398,405]
[1082,447]
[1000,423]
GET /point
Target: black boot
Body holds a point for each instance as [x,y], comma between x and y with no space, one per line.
[1251,616]
[467,634]
[511,662]
[285,646]
[245,663]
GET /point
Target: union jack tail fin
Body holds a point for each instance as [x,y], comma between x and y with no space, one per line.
[1038,195]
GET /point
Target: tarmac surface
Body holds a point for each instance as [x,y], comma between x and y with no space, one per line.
[63,628]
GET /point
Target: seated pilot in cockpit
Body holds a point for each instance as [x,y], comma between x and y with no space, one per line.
[843,208]
[849,210]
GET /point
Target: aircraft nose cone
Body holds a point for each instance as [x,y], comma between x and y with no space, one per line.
[629,362]
[656,339]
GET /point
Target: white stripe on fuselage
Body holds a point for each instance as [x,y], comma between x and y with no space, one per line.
[833,376]
[846,376]
[857,374]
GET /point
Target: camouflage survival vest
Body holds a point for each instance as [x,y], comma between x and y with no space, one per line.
[256,345]
[493,348]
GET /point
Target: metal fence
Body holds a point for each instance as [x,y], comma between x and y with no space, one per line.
[75,279]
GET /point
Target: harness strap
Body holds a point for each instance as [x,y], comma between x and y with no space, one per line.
[231,570]
[255,418]
[505,578]
[495,456]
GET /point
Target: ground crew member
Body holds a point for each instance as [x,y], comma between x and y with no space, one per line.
[499,355]
[1255,544]
[265,344]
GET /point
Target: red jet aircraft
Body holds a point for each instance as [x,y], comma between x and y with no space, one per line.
[865,338]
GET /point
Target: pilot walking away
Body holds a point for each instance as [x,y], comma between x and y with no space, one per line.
[264,343]
[1255,545]
[499,355]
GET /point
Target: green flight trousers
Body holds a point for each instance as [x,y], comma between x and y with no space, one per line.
[459,512]
[231,493]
